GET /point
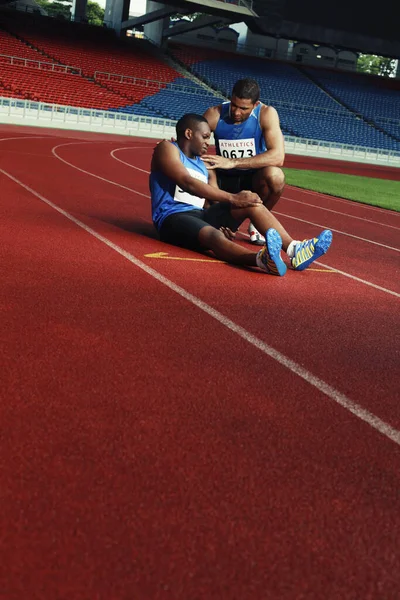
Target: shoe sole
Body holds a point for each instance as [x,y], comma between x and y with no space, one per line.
[275,263]
[320,248]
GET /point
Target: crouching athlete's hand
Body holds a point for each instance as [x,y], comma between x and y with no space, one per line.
[244,199]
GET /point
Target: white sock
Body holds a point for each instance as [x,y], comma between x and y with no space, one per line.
[259,262]
[291,248]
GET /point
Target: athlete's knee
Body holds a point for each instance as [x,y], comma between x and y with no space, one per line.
[275,179]
[209,237]
[254,211]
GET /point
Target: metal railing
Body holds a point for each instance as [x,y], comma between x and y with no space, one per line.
[294,107]
[102,76]
[381,119]
[117,78]
[38,64]
[310,146]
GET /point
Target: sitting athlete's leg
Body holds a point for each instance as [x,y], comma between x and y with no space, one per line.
[219,215]
[268,259]
[191,230]
[182,229]
[223,215]
[262,219]
[301,254]
[213,239]
[269,183]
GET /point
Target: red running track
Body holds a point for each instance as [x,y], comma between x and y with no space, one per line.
[174,427]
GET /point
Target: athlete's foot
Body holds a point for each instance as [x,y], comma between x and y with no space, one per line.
[309,250]
[255,236]
[269,258]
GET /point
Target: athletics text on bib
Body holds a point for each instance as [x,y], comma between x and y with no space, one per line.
[237,148]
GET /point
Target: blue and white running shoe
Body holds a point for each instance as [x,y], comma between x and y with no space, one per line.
[309,250]
[269,258]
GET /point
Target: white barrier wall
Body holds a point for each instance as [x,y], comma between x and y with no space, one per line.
[24,112]
[40,114]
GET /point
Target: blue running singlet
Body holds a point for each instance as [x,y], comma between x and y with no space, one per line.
[167,198]
[239,140]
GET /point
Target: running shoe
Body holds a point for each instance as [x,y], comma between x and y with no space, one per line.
[269,258]
[255,236]
[309,250]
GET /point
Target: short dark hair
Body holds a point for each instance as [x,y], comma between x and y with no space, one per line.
[248,89]
[188,121]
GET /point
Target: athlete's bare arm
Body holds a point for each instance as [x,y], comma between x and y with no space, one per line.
[167,160]
[212,179]
[212,115]
[273,157]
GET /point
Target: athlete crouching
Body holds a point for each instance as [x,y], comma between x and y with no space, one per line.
[249,145]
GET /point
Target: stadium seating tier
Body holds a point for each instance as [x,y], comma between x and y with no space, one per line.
[97,71]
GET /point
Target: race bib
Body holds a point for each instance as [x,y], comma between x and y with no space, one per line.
[185,197]
[237,148]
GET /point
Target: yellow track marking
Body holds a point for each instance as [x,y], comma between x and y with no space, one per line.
[166,256]
[321,270]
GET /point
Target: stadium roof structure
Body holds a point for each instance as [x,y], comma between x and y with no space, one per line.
[345,24]
[341,24]
[354,24]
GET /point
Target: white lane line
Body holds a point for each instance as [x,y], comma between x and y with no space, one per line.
[24,137]
[357,237]
[336,212]
[354,203]
[27,137]
[124,187]
[370,418]
[124,161]
[334,270]
[382,289]
[373,285]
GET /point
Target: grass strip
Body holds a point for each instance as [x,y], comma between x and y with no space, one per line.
[376,192]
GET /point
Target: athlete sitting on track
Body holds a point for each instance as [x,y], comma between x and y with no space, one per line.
[250,147]
[189,209]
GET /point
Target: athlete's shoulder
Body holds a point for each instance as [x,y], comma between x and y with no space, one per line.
[162,151]
[267,110]
[212,115]
[214,109]
[268,115]
[166,146]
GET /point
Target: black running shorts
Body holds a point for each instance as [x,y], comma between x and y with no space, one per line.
[235,183]
[182,228]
